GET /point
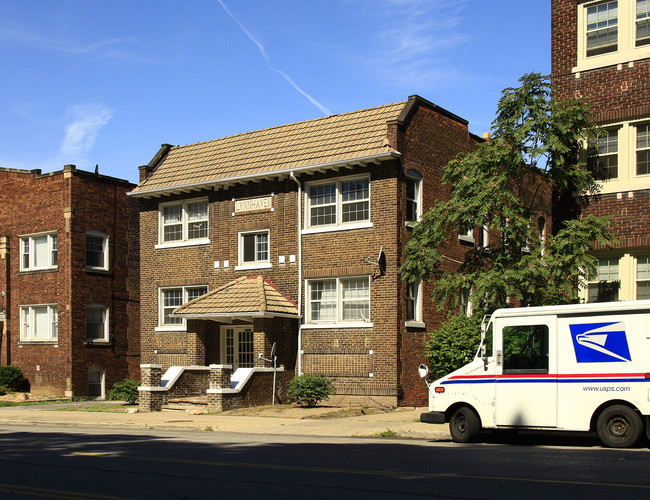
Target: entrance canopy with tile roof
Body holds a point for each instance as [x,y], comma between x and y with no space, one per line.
[244,299]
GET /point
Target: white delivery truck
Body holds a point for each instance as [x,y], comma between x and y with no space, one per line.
[583,367]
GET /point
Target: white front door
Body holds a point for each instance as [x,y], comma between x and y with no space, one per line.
[237,346]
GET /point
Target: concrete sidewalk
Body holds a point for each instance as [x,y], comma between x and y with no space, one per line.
[399,422]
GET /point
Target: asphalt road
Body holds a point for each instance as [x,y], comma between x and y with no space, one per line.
[49,462]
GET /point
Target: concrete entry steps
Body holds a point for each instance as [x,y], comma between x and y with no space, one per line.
[188,403]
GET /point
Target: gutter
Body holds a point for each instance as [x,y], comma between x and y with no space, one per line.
[192,186]
[299,220]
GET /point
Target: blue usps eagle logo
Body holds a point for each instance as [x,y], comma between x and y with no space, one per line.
[600,342]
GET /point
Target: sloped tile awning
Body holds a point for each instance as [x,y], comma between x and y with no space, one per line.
[244,299]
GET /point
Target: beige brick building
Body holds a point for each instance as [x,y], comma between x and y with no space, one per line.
[293,236]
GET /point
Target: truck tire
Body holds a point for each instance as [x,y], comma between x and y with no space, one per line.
[464,425]
[619,426]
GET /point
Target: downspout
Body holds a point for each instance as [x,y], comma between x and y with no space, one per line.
[299,271]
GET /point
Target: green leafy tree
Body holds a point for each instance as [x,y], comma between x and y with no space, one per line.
[537,145]
[310,390]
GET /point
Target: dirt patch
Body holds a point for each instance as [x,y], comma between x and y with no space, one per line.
[302,412]
[25,397]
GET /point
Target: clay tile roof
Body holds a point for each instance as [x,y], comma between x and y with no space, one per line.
[337,138]
[246,296]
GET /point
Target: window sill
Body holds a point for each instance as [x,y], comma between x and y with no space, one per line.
[178,244]
[38,271]
[342,227]
[97,270]
[98,342]
[316,326]
[410,224]
[415,324]
[175,328]
[612,59]
[261,265]
[54,343]
[466,240]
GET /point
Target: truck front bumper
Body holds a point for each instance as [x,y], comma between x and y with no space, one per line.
[432,417]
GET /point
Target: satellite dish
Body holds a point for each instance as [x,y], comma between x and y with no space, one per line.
[381,261]
[273,350]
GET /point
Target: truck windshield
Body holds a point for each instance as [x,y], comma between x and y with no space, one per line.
[525,349]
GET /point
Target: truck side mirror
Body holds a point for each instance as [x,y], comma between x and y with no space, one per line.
[423,371]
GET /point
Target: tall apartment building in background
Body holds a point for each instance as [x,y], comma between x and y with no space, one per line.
[69,280]
[601,52]
[293,236]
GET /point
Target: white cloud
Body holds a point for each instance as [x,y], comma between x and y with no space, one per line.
[82,132]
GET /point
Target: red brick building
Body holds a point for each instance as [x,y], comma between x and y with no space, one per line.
[318,211]
[69,280]
[601,52]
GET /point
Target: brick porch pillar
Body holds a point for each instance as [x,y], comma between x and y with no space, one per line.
[218,399]
[151,394]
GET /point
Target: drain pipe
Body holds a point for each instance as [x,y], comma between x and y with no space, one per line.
[300,218]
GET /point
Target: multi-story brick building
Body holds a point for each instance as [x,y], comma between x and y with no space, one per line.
[316,214]
[601,52]
[69,280]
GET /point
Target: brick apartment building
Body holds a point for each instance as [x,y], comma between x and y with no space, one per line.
[69,280]
[601,52]
[293,236]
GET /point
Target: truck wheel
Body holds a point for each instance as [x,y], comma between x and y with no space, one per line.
[464,425]
[619,427]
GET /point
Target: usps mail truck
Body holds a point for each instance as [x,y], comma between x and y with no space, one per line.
[583,367]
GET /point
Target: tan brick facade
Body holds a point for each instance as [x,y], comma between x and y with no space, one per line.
[64,206]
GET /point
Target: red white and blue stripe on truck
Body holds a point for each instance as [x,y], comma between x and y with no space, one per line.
[563,378]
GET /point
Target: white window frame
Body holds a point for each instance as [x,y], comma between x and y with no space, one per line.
[184,222]
[642,148]
[104,241]
[230,348]
[338,204]
[338,321]
[257,263]
[642,274]
[28,322]
[606,274]
[27,242]
[414,296]
[627,50]
[416,179]
[185,297]
[105,323]
[102,380]
[467,235]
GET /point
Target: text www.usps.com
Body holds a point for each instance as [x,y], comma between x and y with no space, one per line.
[606,388]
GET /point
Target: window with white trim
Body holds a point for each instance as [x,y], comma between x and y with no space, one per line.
[612,32]
[96,250]
[643,149]
[254,249]
[183,222]
[605,283]
[338,202]
[339,300]
[413,196]
[38,252]
[96,380]
[237,347]
[465,302]
[39,323]
[173,297]
[603,159]
[414,302]
[97,329]
[643,277]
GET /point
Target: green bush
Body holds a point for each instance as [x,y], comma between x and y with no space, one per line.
[11,377]
[453,345]
[310,389]
[3,390]
[126,390]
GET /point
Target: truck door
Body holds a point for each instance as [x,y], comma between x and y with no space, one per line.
[526,380]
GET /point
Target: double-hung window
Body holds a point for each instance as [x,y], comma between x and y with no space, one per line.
[173,297]
[339,300]
[643,149]
[254,249]
[642,23]
[603,160]
[413,196]
[338,204]
[97,329]
[38,252]
[604,284]
[96,250]
[39,323]
[602,28]
[414,304]
[183,223]
[643,277]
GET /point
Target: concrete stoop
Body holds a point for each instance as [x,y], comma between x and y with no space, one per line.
[188,404]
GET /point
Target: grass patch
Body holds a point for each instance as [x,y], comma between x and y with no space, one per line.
[387,434]
[104,408]
[28,403]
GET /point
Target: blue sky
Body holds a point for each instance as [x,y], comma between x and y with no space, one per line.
[107,82]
